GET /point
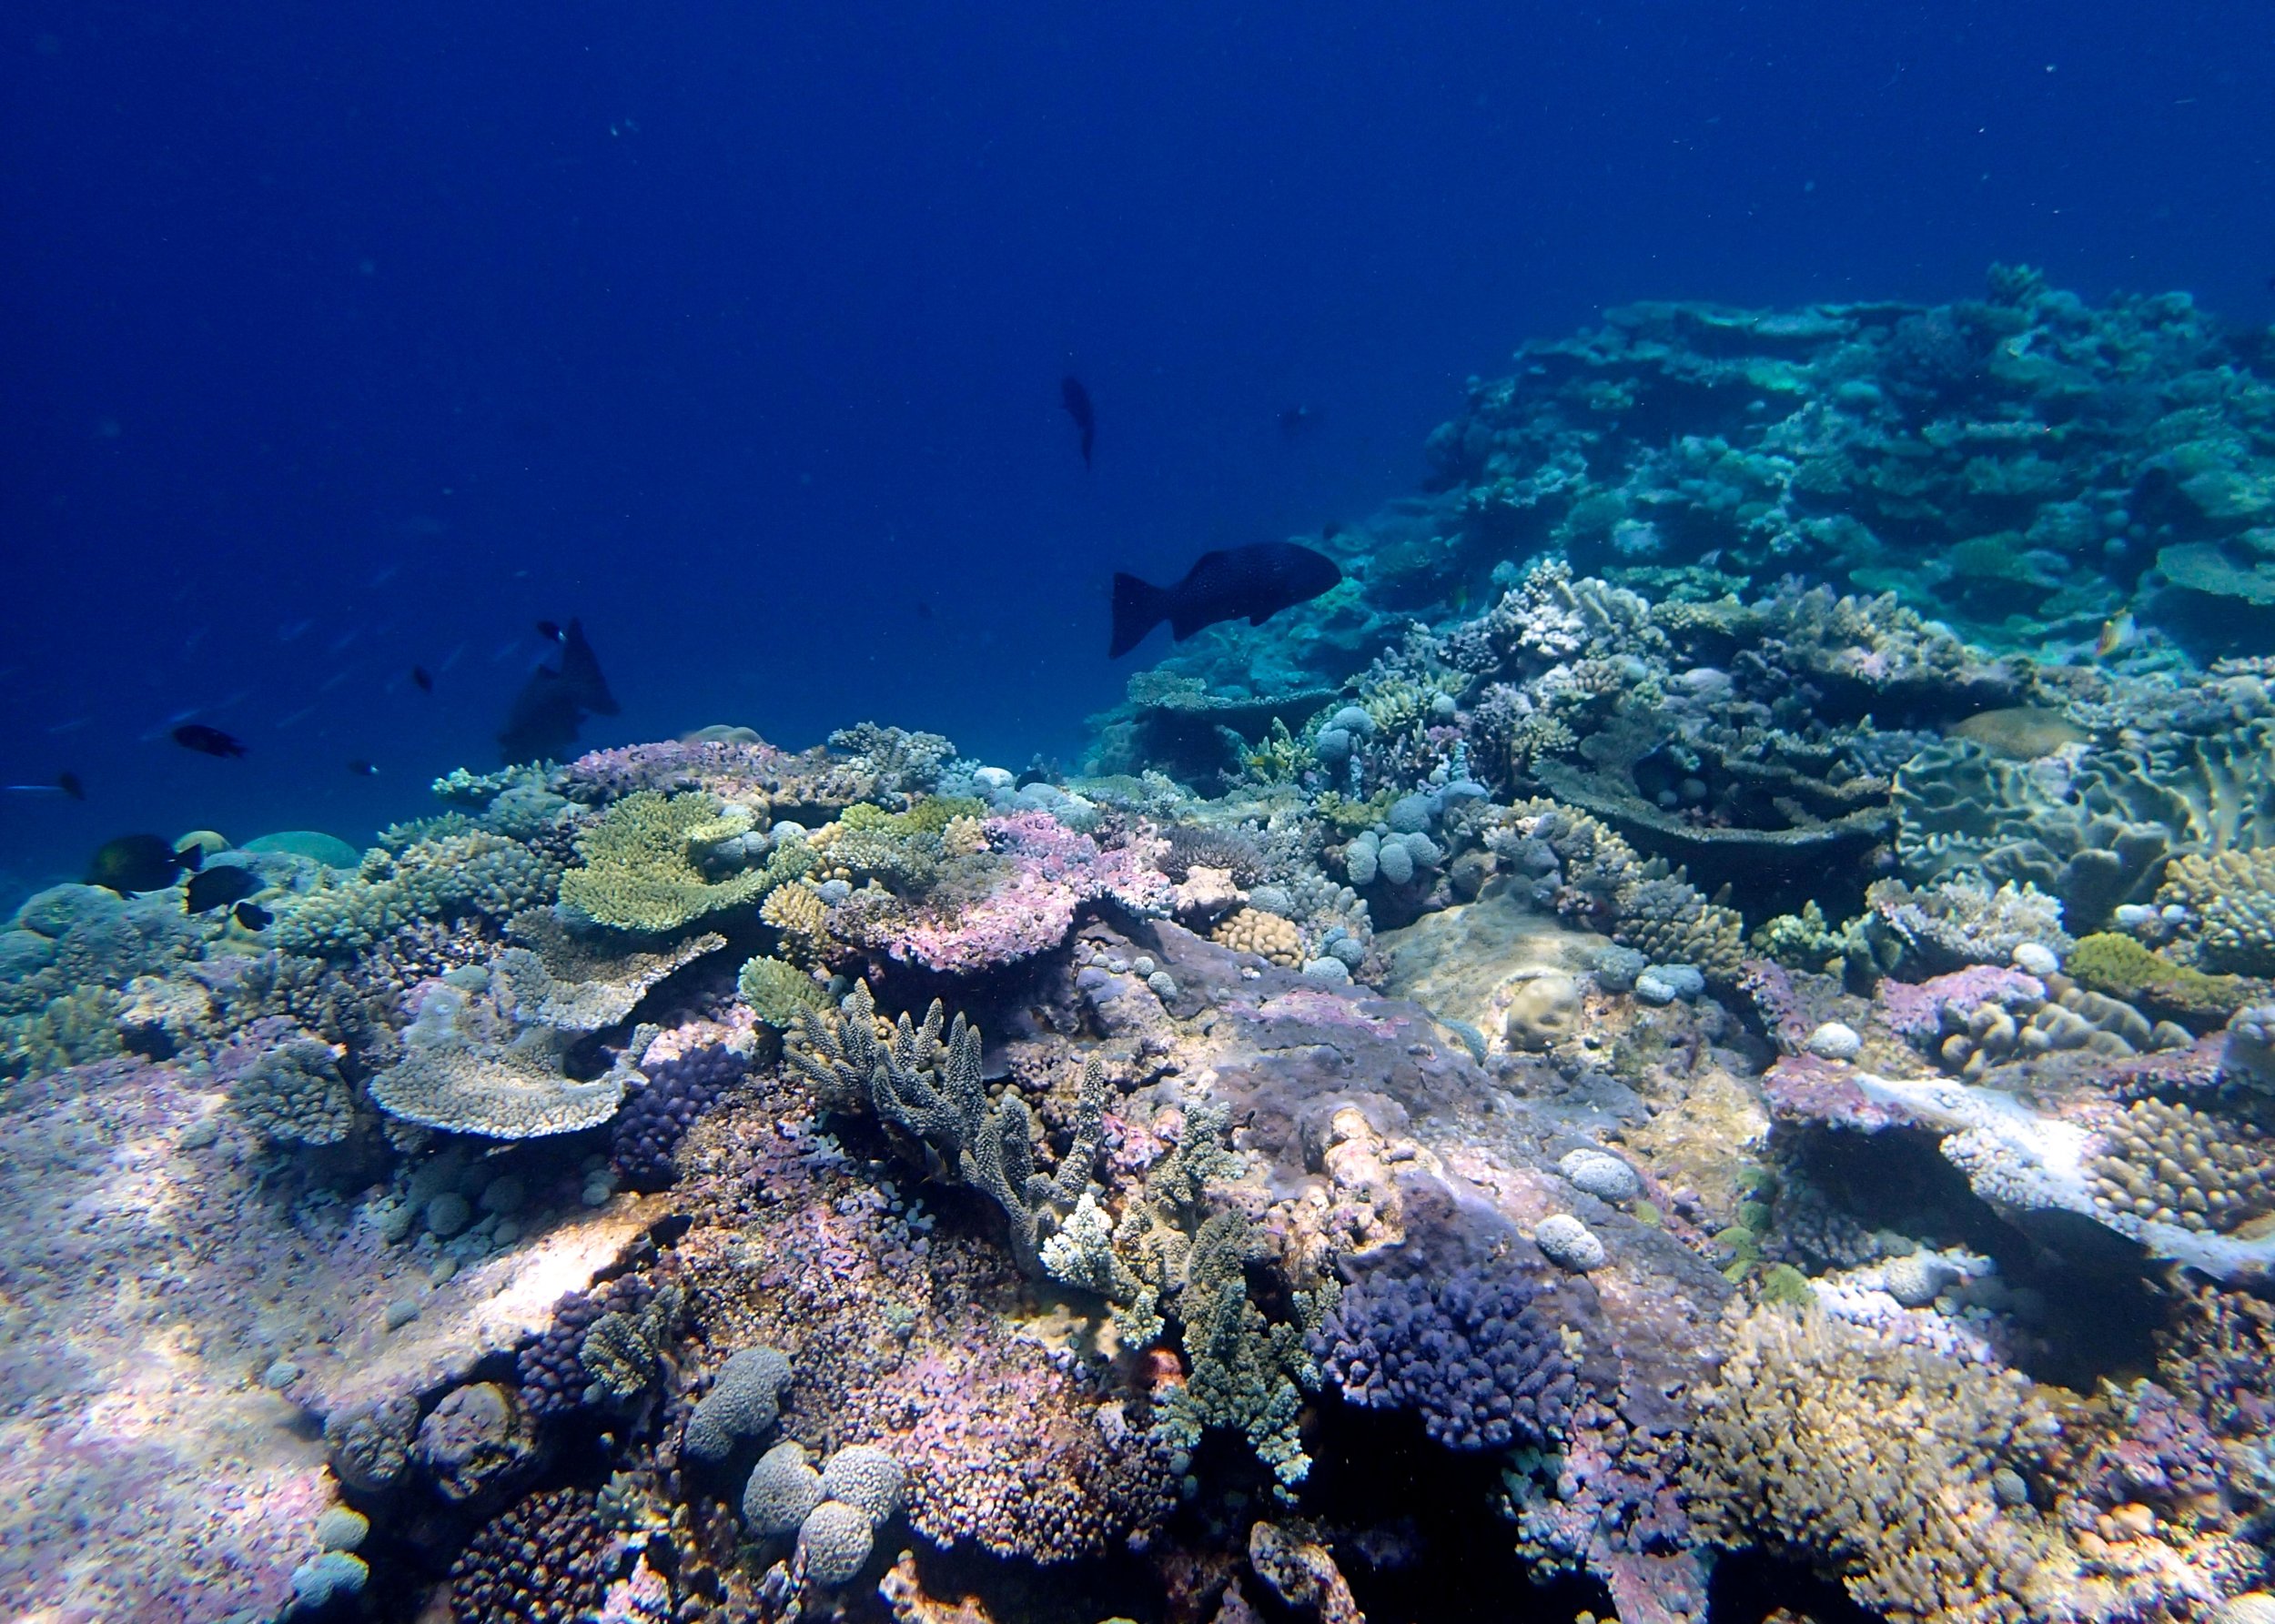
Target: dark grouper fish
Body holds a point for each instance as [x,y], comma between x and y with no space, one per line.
[555,702]
[136,863]
[1256,582]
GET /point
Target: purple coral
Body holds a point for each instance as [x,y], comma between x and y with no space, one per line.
[648,1130]
[1484,1367]
[1044,871]
[551,1369]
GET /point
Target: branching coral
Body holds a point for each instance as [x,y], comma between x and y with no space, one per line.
[1876,1461]
[1470,1351]
[1244,1372]
[929,1090]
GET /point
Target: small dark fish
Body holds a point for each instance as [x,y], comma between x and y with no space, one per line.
[66,784]
[423,678]
[549,630]
[1078,400]
[363,769]
[212,741]
[1254,582]
[218,887]
[555,702]
[253,916]
[1297,419]
[135,862]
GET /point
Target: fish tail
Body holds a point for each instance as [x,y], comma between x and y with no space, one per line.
[1138,608]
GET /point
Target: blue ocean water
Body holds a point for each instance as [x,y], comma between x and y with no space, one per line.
[342,341]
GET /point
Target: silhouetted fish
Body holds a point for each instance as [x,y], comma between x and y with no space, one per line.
[555,702]
[212,741]
[1256,582]
[549,630]
[424,678]
[363,769]
[135,862]
[1078,400]
[218,887]
[66,783]
[253,916]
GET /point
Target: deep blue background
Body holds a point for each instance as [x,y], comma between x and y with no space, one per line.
[737,330]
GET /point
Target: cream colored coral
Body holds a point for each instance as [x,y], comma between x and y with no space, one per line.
[1874,1461]
[802,918]
[1267,935]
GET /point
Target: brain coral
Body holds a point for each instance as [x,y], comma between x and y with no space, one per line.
[865,1477]
[782,1492]
[1469,1353]
[834,1542]
[639,872]
[742,1404]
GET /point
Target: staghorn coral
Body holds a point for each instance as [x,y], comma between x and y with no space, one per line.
[1019,900]
[1244,1372]
[1668,920]
[292,1094]
[801,918]
[929,1091]
[2123,968]
[1962,921]
[640,870]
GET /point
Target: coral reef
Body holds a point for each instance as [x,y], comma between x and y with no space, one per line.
[1711,996]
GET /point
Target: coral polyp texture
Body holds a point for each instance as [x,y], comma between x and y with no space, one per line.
[1710,1005]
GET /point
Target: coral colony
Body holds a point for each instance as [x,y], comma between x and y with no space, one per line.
[1708,1005]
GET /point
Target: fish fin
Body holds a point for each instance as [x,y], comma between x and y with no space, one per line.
[191,858]
[1138,608]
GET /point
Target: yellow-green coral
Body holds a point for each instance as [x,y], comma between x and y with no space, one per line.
[637,875]
[1876,1459]
[2123,968]
[777,990]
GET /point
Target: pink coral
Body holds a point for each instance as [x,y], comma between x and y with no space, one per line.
[1914,1011]
[1043,872]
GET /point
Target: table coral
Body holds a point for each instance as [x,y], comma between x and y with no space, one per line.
[639,872]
